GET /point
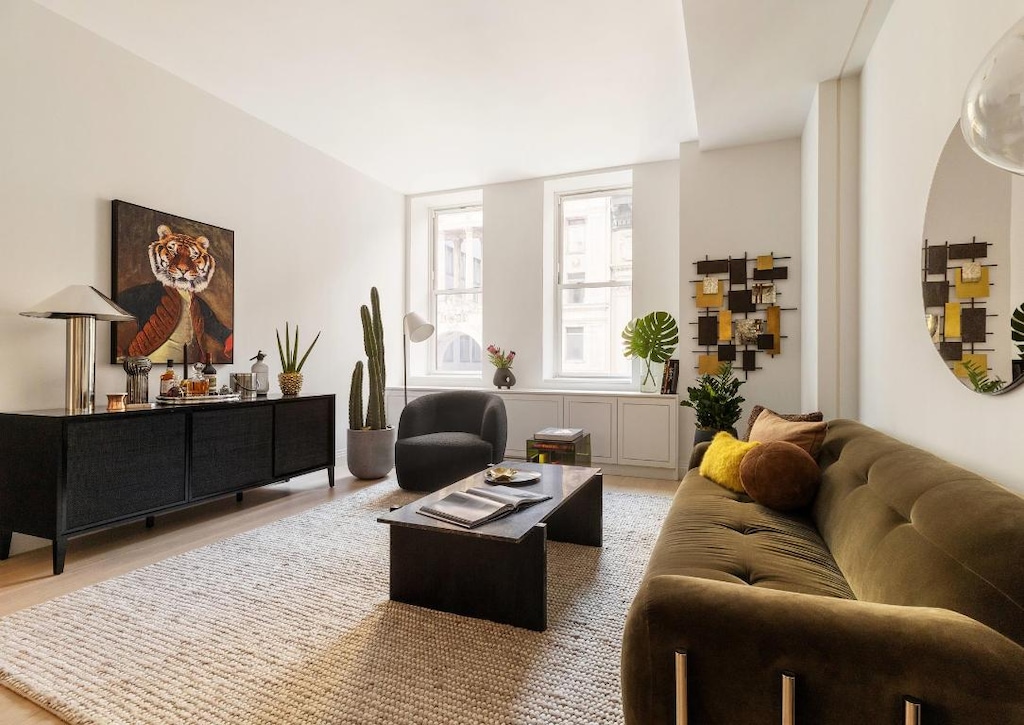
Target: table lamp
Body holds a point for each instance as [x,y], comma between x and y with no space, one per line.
[81,305]
[416,329]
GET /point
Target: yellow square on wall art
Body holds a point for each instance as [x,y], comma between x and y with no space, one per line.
[708,364]
[708,300]
[725,326]
[967,290]
[765,261]
[980,361]
[952,326]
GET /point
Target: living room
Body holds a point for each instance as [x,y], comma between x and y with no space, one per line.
[109,102]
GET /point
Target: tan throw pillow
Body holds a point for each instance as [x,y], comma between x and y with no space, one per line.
[780,475]
[814,417]
[770,427]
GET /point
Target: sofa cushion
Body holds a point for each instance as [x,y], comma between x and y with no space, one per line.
[714,533]
[721,462]
[433,460]
[780,475]
[815,417]
[769,427]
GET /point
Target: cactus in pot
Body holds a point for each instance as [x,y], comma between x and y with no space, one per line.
[373,345]
[371,442]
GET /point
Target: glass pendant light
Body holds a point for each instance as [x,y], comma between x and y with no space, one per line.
[992,117]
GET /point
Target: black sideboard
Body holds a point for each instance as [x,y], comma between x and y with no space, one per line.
[64,474]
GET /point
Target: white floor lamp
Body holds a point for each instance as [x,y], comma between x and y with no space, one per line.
[81,305]
[416,329]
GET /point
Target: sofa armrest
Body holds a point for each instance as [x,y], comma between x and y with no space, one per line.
[854,661]
[697,454]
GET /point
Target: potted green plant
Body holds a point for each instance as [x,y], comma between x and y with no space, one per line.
[290,377]
[716,401]
[652,338]
[371,441]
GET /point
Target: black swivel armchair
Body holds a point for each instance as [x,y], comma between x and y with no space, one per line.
[445,437]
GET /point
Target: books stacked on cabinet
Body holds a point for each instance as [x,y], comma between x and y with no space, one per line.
[670,378]
[559,434]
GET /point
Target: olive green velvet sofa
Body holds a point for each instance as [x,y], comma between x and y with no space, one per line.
[904,579]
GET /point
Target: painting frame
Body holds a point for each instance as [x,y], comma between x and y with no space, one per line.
[177,276]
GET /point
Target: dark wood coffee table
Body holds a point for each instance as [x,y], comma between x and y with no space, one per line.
[497,571]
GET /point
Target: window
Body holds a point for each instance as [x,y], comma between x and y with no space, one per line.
[594,268]
[457,289]
[574,344]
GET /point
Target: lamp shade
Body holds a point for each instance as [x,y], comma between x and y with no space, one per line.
[992,117]
[80,300]
[417,328]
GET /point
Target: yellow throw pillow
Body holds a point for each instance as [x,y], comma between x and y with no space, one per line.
[722,460]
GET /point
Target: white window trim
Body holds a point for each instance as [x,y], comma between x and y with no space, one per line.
[559,287]
[432,291]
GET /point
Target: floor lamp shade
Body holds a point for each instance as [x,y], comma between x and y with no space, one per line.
[80,305]
[417,329]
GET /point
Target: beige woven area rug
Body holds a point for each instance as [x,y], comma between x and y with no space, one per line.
[291,623]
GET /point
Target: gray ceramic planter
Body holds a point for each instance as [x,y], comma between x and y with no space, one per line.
[371,453]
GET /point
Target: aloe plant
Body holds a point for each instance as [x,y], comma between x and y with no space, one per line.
[373,345]
[652,338]
[289,352]
[1017,328]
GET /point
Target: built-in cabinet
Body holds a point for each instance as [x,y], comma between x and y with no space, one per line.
[630,430]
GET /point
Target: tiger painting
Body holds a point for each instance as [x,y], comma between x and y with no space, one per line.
[172,321]
[181,261]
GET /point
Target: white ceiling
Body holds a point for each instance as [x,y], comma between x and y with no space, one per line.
[444,94]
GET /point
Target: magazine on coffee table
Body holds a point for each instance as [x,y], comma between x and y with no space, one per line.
[477,506]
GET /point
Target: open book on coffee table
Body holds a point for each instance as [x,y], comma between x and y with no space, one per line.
[477,506]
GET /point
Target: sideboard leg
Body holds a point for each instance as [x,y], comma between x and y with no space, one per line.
[5,543]
[238,496]
[150,522]
[60,548]
[330,475]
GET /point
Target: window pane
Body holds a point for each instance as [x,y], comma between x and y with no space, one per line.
[459,322]
[592,329]
[459,248]
[597,237]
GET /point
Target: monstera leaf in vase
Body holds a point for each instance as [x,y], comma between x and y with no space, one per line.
[653,339]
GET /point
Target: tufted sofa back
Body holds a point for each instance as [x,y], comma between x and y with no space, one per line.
[906,527]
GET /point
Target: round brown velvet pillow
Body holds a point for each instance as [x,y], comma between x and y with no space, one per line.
[780,475]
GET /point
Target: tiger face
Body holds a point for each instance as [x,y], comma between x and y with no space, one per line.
[181,261]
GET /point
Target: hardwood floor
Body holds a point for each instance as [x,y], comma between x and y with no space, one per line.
[26,579]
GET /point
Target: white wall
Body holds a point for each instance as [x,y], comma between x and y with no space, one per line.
[912,86]
[84,122]
[830,247]
[731,201]
[517,267]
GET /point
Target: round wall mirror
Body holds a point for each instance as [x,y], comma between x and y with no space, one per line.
[973,295]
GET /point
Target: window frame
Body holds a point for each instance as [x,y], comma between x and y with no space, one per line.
[560,286]
[433,292]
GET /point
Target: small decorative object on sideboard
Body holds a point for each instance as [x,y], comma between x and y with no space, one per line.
[290,377]
[653,339]
[716,401]
[260,374]
[115,402]
[503,376]
[137,369]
